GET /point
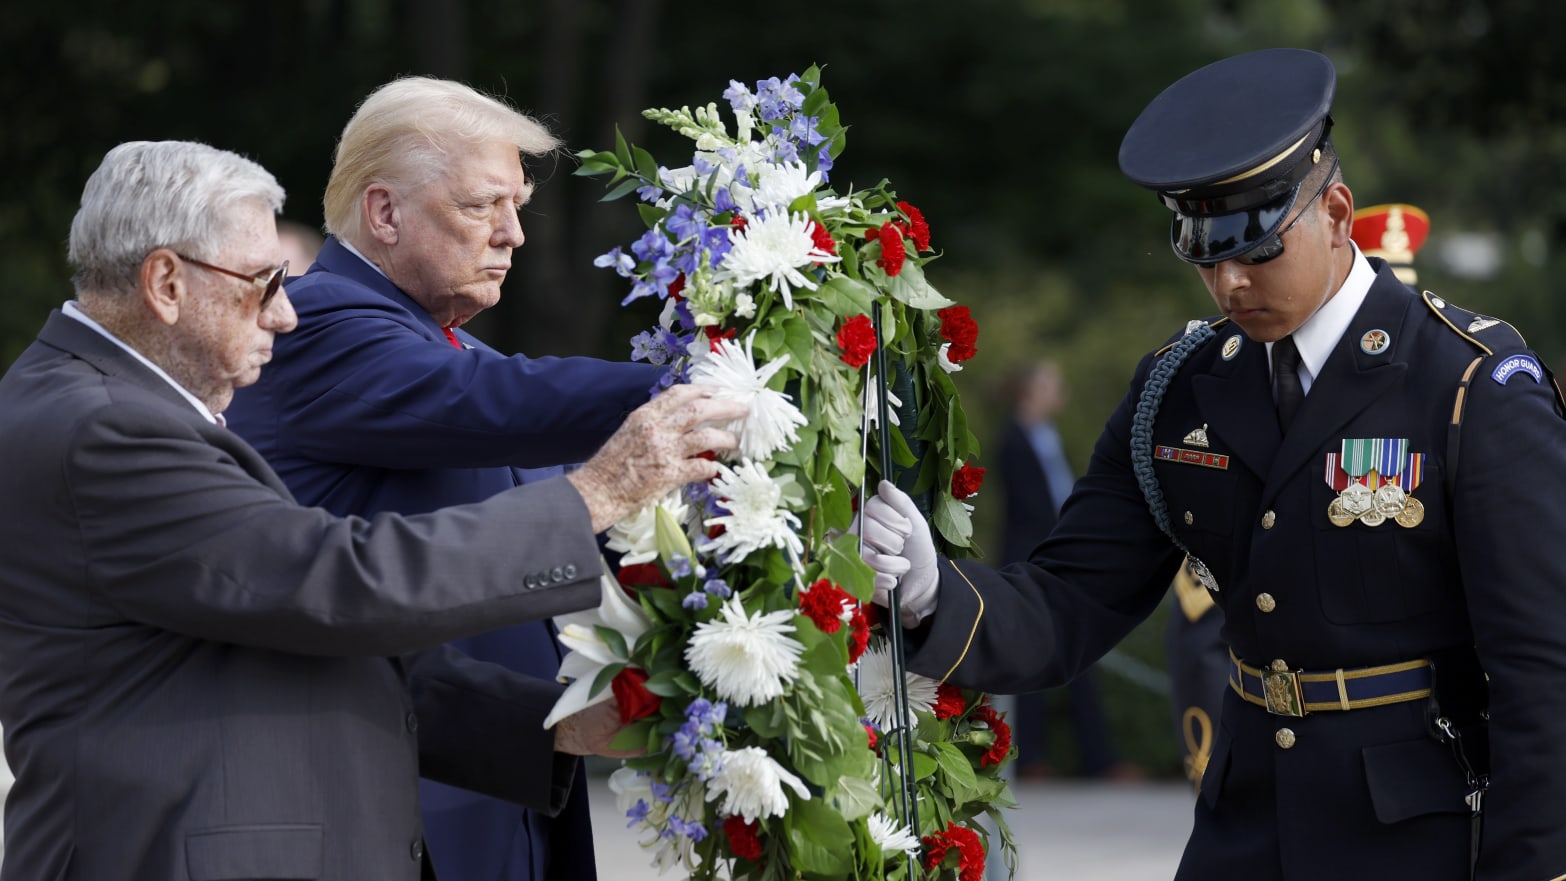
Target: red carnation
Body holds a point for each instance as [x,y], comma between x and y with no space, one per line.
[949,701]
[676,286]
[824,603]
[823,240]
[643,575]
[966,481]
[742,837]
[738,223]
[715,333]
[970,851]
[857,340]
[892,251]
[1002,745]
[630,693]
[858,633]
[959,329]
[875,739]
[919,230]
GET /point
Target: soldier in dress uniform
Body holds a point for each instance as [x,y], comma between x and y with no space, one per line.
[1361,477]
[1198,657]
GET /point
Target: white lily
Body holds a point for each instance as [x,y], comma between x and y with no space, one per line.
[589,653]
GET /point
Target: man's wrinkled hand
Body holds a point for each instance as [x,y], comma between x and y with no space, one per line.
[657,450]
[589,731]
[898,546]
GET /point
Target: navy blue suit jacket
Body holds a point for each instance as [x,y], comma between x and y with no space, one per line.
[365,408]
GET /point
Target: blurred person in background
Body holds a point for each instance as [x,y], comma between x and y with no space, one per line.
[380,401]
[1036,478]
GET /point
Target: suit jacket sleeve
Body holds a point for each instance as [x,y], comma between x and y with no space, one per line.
[182,526]
[479,729]
[1036,624]
[1507,520]
[361,382]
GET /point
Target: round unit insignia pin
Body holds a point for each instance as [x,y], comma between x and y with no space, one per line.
[1231,347]
[1374,342]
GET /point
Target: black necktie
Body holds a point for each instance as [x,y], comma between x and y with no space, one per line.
[1286,380]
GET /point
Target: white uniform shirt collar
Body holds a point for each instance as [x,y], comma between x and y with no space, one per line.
[71,310]
[1319,335]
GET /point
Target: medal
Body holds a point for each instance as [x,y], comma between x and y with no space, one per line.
[1374,479]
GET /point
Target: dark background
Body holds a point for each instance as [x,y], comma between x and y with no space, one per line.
[1001,119]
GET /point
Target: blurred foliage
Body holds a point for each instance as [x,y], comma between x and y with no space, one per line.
[1001,119]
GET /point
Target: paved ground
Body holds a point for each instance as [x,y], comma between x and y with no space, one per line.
[1066,831]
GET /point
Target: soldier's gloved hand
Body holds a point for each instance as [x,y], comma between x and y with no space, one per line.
[898,546]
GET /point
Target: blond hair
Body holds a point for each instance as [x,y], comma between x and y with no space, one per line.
[403,134]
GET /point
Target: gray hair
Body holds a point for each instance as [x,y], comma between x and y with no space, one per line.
[160,194]
[403,134]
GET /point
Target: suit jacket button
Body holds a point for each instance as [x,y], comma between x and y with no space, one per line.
[570,570]
[413,723]
[416,850]
[556,575]
[529,581]
[1284,738]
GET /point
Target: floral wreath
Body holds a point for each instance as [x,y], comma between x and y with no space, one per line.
[737,636]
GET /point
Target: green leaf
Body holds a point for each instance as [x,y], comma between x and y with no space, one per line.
[651,214]
[612,638]
[909,286]
[667,683]
[953,520]
[799,344]
[820,840]
[924,765]
[622,150]
[850,464]
[633,736]
[604,677]
[626,186]
[768,721]
[646,165]
[670,537]
[847,569]
[954,764]
[856,798]
[846,297]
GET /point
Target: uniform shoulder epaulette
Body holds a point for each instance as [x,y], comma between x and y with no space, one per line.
[1491,335]
[1191,325]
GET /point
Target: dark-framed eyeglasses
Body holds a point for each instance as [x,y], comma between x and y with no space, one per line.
[269,281]
[1271,248]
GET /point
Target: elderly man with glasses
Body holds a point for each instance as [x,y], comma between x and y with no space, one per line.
[1393,609]
[202,678]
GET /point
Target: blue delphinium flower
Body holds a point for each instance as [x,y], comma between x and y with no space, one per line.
[718,587]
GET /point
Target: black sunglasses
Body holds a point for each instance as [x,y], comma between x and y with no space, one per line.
[1271,248]
[270,281]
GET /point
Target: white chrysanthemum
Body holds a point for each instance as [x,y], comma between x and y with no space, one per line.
[772,248]
[875,688]
[636,536]
[779,184]
[751,785]
[589,653]
[746,659]
[946,363]
[756,518]
[873,404]
[890,835]
[773,421]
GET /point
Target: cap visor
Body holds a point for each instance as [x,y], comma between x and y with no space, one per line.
[1227,236]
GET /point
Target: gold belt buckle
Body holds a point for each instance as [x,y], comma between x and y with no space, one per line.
[1281,688]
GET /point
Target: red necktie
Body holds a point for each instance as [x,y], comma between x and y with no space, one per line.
[451,337]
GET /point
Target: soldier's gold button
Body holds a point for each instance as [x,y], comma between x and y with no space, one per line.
[1265,602]
[1268,519]
[1284,738]
[1189,518]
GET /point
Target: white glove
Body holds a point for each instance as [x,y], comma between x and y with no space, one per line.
[897,545]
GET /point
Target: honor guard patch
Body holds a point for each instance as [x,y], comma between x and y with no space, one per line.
[1517,364]
[1192,457]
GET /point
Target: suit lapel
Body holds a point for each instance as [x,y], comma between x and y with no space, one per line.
[1235,400]
[338,260]
[1350,381]
[71,336]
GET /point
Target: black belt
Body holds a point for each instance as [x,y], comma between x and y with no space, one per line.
[1286,692]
